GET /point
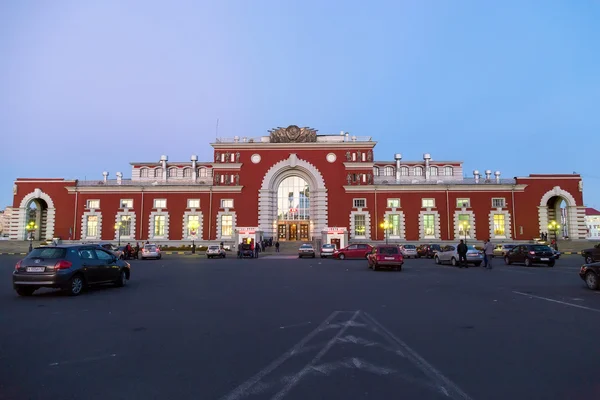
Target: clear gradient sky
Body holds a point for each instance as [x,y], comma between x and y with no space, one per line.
[88,86]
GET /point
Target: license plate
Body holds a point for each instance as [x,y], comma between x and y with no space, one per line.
[389,258]
[36,269]
[545,259]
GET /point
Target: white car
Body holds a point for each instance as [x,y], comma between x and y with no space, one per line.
[150,251]
[408,250]
[215,251]
[501,249]
[449,254]
[327,250]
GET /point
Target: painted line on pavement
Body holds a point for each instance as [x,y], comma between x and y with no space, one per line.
[557,301]
[88,359]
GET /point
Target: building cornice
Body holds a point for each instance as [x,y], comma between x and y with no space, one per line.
[433,188]
[358,165]
[553,177]
[292,146]
[219,166]
[155,189]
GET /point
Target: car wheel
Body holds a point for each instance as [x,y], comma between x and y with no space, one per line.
[507,261]
[76,285]
[591,280]
[453,261]
[478,264]
[159,257]
[122,281]
[551,264]
[588,260]
[375,267]
[342,256]
[313,256]
[437,260]
[25,290]
[527,262]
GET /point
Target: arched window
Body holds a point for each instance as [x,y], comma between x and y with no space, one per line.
[144,172]
[157,173]
[187,173]
[389,171]
[172,172]
[448,171]
[433,171]
[202,172]
[418,171]
[375,171]
[293,199]
[404,171]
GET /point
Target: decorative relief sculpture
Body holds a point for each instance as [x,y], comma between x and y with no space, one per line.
[293,134]
[217,177]
[370,179]
[237,178]
[217,155]
[348,156]
[227,156]
[359,155]
[237,157]
[349,178]
[370,156]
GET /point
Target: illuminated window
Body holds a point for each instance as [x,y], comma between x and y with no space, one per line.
[160,203]
[394,221]
[393,203]
[427,203]
[93,204]
[227,225]
[92,226]
[463,224]
[429,224]
[499,221]
[159,225]
[460,203]
[125,228]
[192,225]
[293,199]
[359,225]
[193,203]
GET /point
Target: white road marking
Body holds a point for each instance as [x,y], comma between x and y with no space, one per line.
[296,378]
[450,388]
[556,301]
[243,389]
[295,325]
[88,359]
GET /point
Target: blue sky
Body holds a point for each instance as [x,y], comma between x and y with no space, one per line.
[508,85]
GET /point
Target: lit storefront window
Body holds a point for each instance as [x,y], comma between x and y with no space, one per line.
[394,221]
[429,224]
[360,225]
[192,225]
[293,199]
[464,220]
[125,227]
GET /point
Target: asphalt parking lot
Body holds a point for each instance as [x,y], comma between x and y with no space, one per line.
[283,328]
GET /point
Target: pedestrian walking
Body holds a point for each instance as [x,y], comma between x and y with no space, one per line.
[488,254]
[277,246]
[461,249]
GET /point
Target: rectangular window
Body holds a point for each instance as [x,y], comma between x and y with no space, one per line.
[353,156]
[360,203]
[227,225]
[464,224]
[232,157]
[499,202]
[460,203]
[125,226]
[427,203]
[232,178]
[160,203]
[193,225]
[364,157]
[360,228]
[222,157]
[394,221]
[193,203]
[222,178]
[499,220]
[393,203]
[159,225]
[429,224]
[364,178]
[92,226]
[126,203]
[227,203]
[93,204]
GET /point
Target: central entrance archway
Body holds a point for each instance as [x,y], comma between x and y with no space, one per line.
[293,209]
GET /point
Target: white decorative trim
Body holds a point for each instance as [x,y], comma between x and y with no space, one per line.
[126,213]
[507,224]
[472,234]
[234,224]
[151,225]
[436,234]
[401,221]
[558,192]
[21,231]
[84,217]
[367,234]
[267,195]
[186,214]
[575,219]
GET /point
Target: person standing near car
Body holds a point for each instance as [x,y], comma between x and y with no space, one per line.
[461,249]
[277,246]
[488,254]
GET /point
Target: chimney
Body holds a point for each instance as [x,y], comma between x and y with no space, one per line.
[194,160]
[341,133]
[497,174]
[476,175]
[488,175]
[354,138]
[105,175]
[119,178]
[427,158]
[163,161]
[236,139]
[347,135]
[398,158]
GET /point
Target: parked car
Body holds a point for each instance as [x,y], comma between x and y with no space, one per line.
[360,250]
[449,254]
[246,251]
[117,251]
[327,250]
[590,273]
[306,250]
[556,254]
[530,254]
[385,256]
[150,251]
[591,255]
[215,251]
[70,268]
[501,249]
[408,250]
[428,250]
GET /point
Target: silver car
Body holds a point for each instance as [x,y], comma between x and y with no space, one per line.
[409,250]
[449,254]
[501,249]
[150,251]
[327,250]
[215,251]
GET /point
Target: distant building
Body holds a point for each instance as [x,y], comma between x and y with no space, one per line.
[592,221]
[4,222]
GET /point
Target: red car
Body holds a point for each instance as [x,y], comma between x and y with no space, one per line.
[353,251]
[385,256]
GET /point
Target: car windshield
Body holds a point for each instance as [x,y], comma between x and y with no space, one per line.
[410,246]
[48,252]
[471,247]
[540,248]
[328,246]
[213,247]
[388,250]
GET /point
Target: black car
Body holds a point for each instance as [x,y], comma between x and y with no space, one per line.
[428,250]
[530,254]
[590,273]
[70,268]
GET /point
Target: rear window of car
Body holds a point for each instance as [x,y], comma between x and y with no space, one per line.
[306,246]
[150,248]
[388,250]
[213,247]
[540,248]
[410,246]
[49,252]
[328,246]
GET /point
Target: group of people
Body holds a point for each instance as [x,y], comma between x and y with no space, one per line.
[488,254]
[131,252]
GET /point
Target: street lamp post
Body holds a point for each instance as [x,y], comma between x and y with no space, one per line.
[193,228]
[465,227]
[31,227]
[118,229]
[553,226]
[386,226]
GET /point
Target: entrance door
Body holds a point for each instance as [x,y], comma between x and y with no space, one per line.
[336,243]
[282,231]
[293,232]
[304,232]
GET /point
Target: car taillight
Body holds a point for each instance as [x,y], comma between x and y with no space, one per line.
[63,264]
[532,252]
[18,265]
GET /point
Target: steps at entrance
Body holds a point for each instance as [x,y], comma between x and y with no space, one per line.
[288,247]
